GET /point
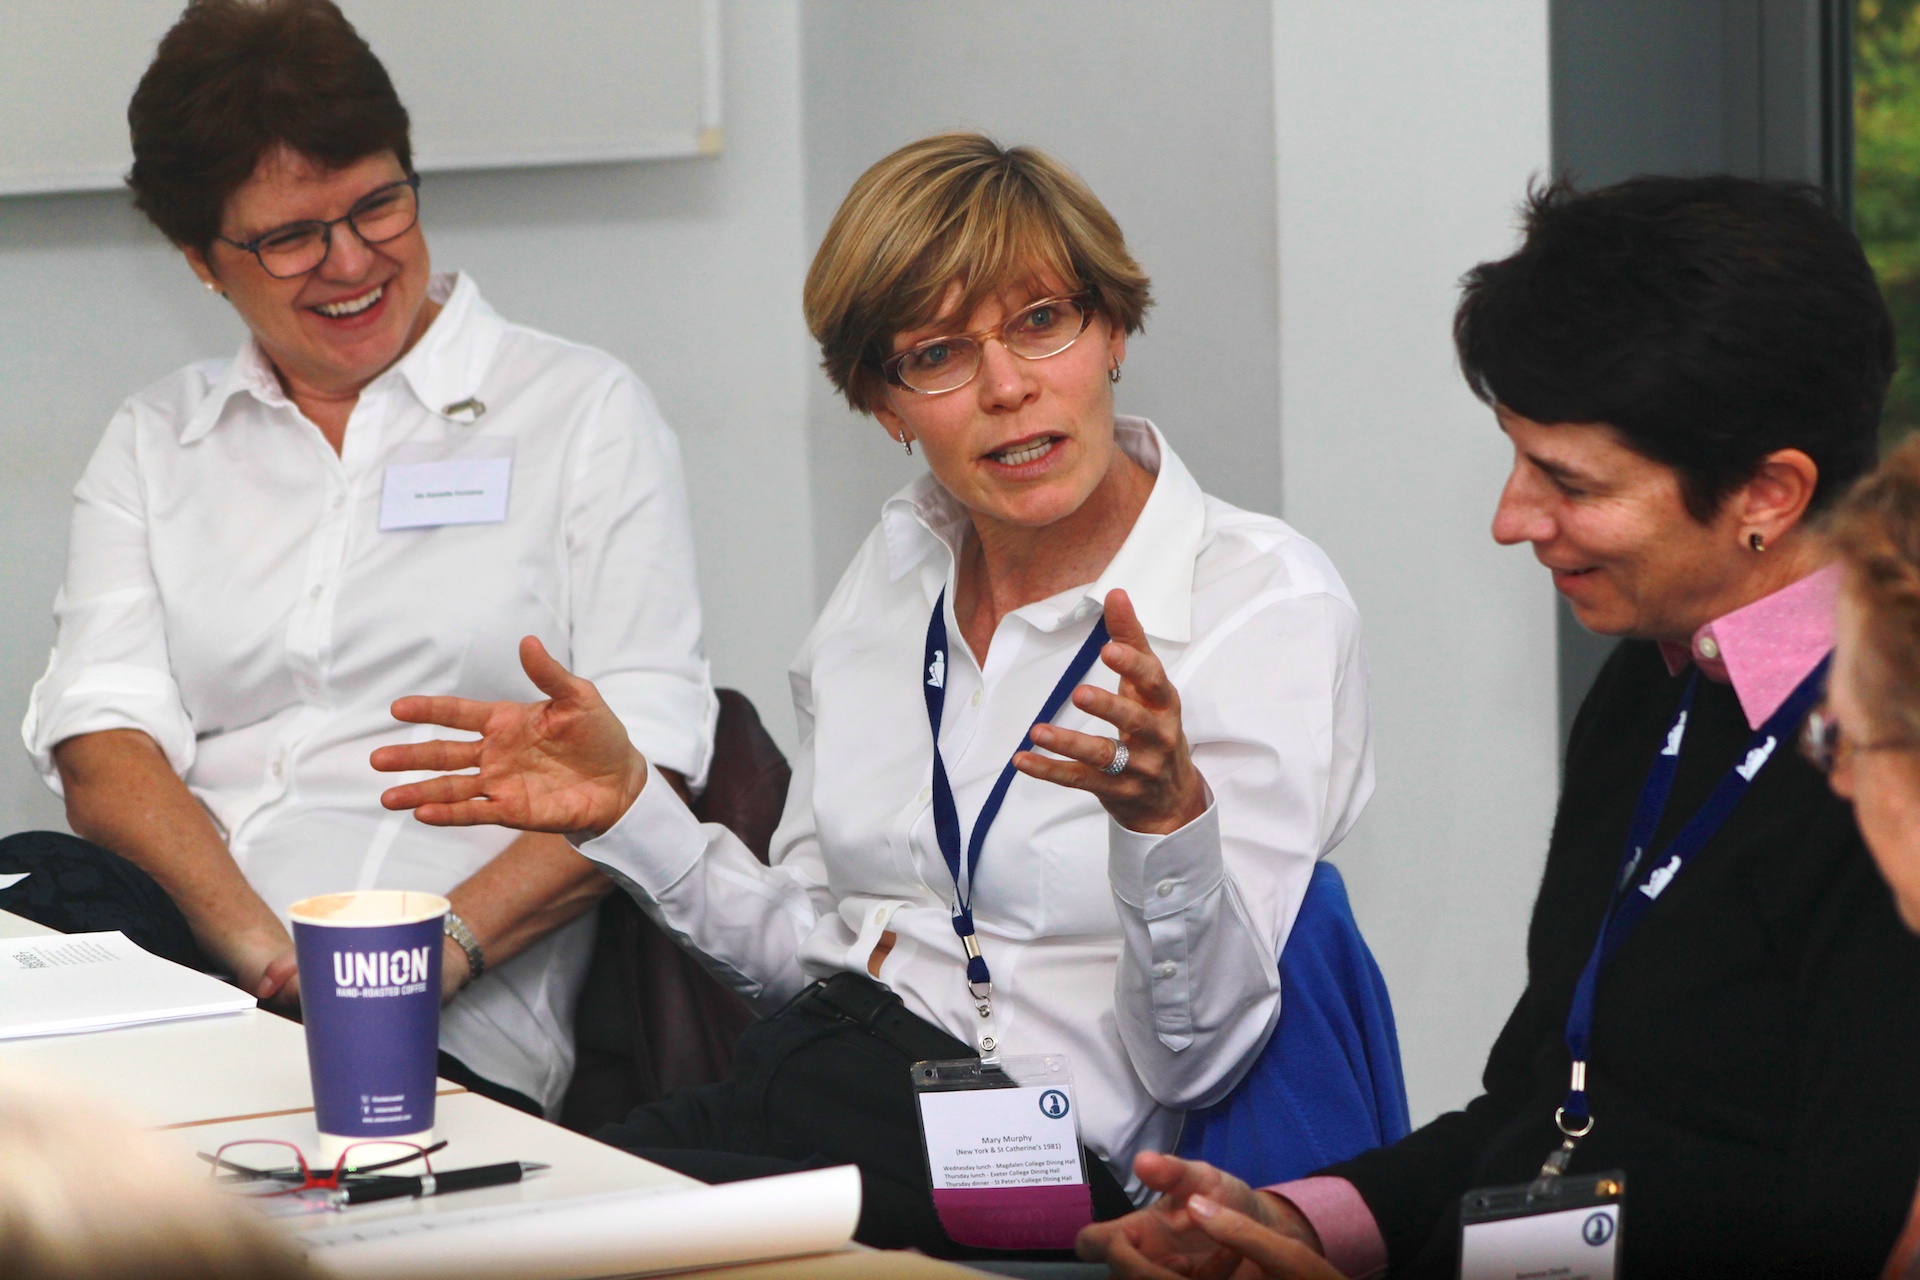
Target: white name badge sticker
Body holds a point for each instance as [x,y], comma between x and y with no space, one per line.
[1569,1231]
[468,489]
[1019,1137]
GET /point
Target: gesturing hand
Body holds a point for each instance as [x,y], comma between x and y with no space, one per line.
[564,765]
[1159,791]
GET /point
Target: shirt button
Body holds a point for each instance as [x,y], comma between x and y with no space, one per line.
[275,769]
[976,698]
[1166,970]
[1165,888]
[1709,648]
[926,794]
[315,593]
[334,502]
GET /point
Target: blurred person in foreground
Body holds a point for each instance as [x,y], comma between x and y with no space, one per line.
[1190,676]
[254,575]
[1688,370]
[84,1195]
[1867,736]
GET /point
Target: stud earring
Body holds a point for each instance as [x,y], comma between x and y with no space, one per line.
[1757,542]
[1113,374]
[212,286]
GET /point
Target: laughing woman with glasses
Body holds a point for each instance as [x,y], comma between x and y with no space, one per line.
[385,487]
[1074,734]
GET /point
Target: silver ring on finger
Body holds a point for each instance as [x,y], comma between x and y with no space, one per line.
[1116,766]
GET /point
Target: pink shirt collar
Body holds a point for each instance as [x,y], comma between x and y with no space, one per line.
[1765,649]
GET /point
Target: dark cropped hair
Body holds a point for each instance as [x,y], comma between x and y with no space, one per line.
[235,78]
[1711,321]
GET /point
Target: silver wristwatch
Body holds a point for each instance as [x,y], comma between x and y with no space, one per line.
[456,928]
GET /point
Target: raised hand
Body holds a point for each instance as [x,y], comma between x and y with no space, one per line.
[1159,790]
[564,765]
[1181,1235]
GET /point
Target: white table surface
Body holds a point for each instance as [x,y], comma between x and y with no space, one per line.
[206,1081]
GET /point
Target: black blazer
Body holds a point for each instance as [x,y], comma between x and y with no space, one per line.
[1755,1065]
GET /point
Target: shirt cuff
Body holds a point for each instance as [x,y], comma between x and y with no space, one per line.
[1165,875]
[1349,1236]
[655,842]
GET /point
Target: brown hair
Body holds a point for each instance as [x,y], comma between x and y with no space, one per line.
[956,208]
[233,80]
[1876,530]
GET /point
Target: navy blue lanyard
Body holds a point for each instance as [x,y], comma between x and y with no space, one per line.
[1643,880]
[946,818]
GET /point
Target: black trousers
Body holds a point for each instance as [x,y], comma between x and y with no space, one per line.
[825,1082]
[75,886]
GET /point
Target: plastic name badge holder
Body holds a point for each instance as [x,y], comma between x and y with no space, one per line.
[1003,1151]
[1565,1227]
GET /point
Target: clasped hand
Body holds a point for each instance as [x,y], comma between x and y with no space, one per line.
[1206,1225]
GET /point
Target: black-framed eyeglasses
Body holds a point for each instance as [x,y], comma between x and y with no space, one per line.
[1825,746]
[1036,331]
[383,214]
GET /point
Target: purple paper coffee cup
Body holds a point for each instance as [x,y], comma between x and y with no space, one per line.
[370,997]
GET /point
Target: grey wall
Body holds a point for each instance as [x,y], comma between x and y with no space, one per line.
[1166,111]
[688,270]
[1394,468]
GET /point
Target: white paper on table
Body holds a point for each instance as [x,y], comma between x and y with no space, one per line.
[620,1233]
[7,882]
[66,983]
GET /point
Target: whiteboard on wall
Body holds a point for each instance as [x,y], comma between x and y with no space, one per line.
[489,83]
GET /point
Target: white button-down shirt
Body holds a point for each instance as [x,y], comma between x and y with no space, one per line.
[1150,960]
[230,593]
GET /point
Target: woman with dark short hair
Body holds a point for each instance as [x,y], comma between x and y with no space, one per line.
[1689,370]
[262,549]
[1161,698]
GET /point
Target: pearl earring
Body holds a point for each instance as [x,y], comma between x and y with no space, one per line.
[1757,542]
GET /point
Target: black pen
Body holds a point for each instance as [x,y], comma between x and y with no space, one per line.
[392,1187]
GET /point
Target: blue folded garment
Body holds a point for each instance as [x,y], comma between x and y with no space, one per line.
[1328,1085]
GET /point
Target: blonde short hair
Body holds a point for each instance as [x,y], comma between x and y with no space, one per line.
[85,1195]
[957,209]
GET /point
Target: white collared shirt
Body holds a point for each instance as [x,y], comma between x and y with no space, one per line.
[230,593]
[1150,961]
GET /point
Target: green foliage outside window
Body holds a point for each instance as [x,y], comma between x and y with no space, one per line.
[1886,123]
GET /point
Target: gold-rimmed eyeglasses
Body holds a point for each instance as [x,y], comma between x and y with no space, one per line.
[1825,745]
[383,214]
[1036,331]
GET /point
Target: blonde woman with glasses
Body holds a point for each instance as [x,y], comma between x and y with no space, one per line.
[1074,734]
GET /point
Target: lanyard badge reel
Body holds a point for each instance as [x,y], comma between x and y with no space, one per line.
[1002,1144]
[1001,1134]
[1563,1225]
